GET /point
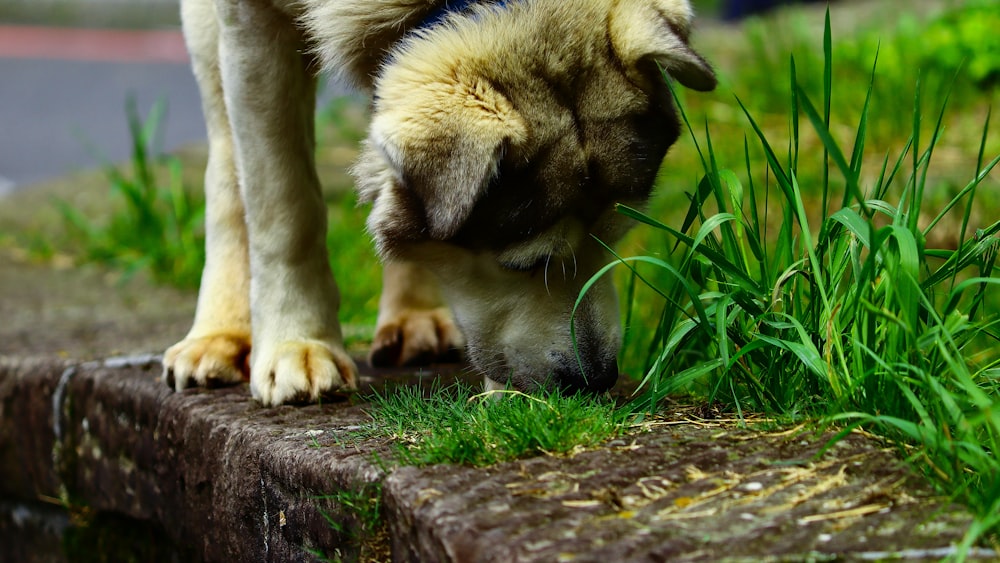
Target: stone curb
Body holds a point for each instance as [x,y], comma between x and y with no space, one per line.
[224,479]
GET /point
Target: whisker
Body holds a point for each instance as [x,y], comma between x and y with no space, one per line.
[545,272]
[572,252]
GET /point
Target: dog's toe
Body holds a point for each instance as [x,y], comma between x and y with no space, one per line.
[299,372]
[207,361]
[387,346]
[417,337]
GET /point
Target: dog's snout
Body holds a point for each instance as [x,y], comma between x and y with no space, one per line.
[591,376]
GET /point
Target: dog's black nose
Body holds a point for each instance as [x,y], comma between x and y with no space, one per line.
[597,376]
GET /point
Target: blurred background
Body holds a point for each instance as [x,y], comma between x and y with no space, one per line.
[64,80]
[92,13]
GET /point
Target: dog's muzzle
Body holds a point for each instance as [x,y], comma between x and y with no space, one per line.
[585,376]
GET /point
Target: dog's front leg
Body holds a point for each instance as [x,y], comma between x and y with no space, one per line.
[415,326]
[297,351]
[216,350]
[270,92]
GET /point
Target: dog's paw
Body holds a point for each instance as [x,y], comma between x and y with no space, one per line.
[417,337]
[207,361]
[302,371]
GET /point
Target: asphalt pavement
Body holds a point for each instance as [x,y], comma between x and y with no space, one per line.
[63,94]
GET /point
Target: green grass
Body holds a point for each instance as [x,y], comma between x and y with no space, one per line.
[772,303]
[452,425]
[359,520]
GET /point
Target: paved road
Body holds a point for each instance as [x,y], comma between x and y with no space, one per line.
[63,95]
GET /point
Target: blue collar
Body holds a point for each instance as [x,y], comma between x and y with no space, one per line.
[449,7]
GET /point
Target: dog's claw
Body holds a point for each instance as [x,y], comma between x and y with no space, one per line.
[207,361]
[417,337]
[302,371]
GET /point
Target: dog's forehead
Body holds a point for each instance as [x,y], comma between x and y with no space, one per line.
[592,133]
[579,160]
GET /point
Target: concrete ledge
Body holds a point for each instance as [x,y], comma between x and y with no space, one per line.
[210,475]
[687,494]
[223,477]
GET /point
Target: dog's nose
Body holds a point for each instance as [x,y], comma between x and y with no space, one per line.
[598,375]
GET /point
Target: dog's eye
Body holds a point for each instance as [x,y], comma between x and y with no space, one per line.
[529,265]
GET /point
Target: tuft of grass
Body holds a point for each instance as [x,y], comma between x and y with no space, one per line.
[453,426]
[360,521]
[157,229]
[834,306]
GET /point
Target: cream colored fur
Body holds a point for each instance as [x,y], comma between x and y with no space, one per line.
[455,106]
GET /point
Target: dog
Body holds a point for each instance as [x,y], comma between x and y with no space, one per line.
[503,133]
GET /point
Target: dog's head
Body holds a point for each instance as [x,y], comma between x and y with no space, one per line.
[499,144]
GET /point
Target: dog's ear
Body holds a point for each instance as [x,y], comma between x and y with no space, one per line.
[658,30]
[443,143]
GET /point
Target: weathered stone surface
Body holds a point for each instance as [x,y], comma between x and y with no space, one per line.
[224,477]
[32,531]
[690,492]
